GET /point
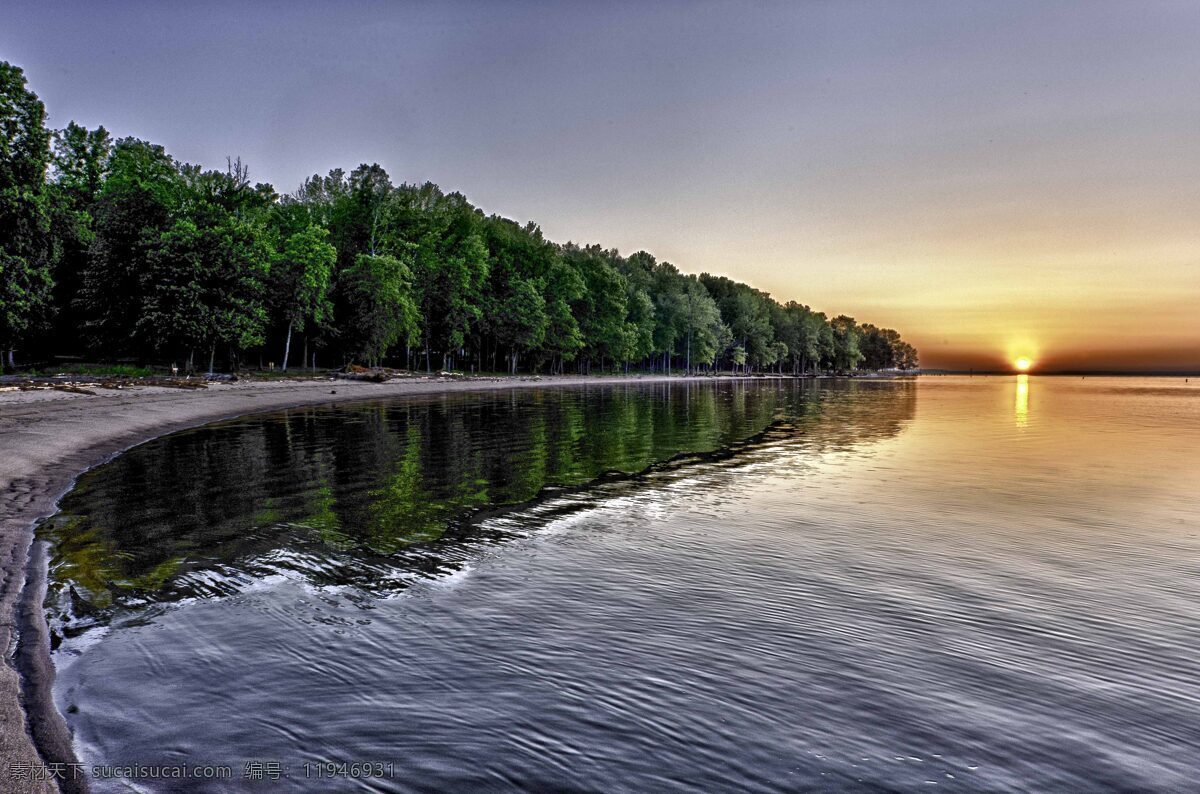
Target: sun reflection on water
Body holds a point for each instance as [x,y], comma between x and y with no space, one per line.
[1022,400]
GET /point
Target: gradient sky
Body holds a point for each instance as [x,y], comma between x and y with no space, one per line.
[991,179]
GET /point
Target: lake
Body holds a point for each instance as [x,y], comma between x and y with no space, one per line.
[945,582]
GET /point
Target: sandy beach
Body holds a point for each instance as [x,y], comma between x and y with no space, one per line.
[49,437]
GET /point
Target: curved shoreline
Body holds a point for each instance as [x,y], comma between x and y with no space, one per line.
[48,439]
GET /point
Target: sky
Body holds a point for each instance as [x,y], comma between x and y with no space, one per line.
[992,179]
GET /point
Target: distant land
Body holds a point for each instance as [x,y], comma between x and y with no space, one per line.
[1121,373]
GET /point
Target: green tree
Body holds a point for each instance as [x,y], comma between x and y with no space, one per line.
[639,325]
[301,278]
[147,255]
[602,310]
[521,320]
[641,320]
[78,170]
[671,312]
[798,327]
[450,264]
[382,313]
[175,312]
[705,334]
[846,336]
[140,201]
[25,280]
[564,288]
[521,262]
[203,287]
[746,311]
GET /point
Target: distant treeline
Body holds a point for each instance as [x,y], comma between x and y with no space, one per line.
[114,250]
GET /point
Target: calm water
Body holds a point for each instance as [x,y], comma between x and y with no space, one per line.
[988,583]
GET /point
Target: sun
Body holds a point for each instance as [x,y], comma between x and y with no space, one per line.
[1022,364]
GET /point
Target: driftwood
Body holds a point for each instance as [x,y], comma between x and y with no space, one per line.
[384,374]
[372,377]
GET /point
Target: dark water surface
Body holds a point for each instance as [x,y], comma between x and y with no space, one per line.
[988,583]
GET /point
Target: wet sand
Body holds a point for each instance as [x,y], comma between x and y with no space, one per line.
[48,438]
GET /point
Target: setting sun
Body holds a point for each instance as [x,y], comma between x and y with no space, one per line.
[1022,364]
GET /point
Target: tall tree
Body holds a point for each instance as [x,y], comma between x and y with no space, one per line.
[382,313]
[300,282]
[564,289]
[746,311]
[204,286]
[846,337]
[140,201]
[603,317]
[25,281]
[668,291]
[78,170]
[705,334]
[450,264]
[520,322]
[150,256]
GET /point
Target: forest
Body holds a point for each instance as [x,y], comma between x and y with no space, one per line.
[112,250]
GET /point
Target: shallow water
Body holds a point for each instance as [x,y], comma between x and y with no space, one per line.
[967,583]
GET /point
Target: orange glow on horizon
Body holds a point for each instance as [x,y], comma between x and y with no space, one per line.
[1022,364]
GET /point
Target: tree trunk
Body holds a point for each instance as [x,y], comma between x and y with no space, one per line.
[212,358]
[287,347]
[12,362]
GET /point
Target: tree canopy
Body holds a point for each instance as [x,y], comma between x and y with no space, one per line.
[114,249]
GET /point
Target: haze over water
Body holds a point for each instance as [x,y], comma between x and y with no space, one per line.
[978,583]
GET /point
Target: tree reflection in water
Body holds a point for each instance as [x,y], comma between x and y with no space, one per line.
[373,495]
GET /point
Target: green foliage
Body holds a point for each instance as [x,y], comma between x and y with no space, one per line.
[564,289]
[79,168]
[450,262]
[174,312]
[747,313]
[382,312]
[205,286]
[846,337]
[705,332]
[300,280]
[25,280]
[882,348]
[520,322]
[139,255]
[604,305]
[137,205]
[115,370]
[304,271]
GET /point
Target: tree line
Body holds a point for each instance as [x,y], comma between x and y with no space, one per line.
[115,250]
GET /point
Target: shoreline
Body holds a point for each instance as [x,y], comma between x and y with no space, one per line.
[48,438]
